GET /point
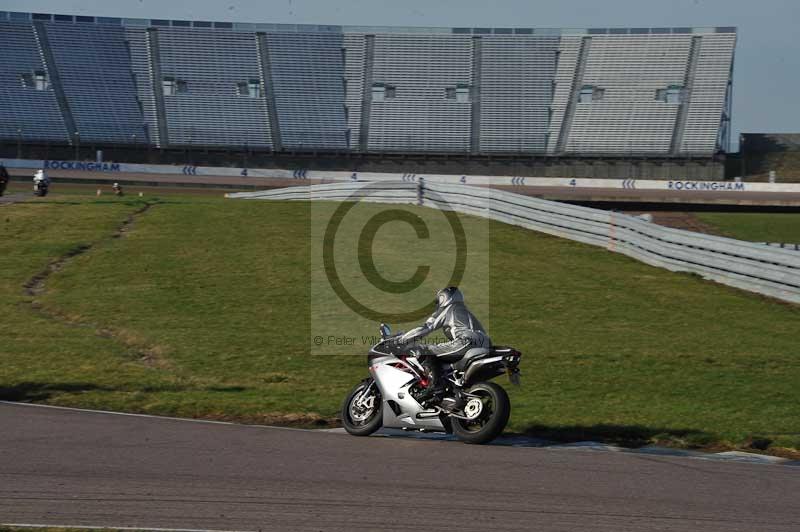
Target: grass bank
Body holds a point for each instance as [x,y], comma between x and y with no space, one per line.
[756,227]
[202,308]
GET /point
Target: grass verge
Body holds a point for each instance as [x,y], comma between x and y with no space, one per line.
[756,227]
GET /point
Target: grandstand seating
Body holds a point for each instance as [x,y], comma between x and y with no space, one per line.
[628,118]
[211,111]
[307,77]
[517,76]
[354,55]
[711,79]
[25,112]
[95,70]
[594,92]
[139,46]
[412,72]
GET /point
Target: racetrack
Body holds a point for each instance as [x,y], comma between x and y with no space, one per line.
[8,199]
[789,200]
[65,467]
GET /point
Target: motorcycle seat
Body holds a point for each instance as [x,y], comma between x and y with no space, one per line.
[472,354]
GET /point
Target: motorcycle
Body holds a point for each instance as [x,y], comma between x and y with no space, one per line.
[40,188]
[395,395]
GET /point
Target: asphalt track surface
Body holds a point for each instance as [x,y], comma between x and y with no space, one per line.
[65,467]
[8,199]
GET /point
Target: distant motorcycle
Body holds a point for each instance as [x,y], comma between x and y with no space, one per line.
[471,407]
[4,179]
[41,184]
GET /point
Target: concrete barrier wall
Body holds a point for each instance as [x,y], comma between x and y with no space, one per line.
[750,266]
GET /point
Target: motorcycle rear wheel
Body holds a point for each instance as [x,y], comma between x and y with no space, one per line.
[359,420]
[489,424]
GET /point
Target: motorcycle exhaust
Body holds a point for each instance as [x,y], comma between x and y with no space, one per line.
[428,414]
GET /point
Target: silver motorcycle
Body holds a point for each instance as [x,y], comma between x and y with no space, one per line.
[395,395]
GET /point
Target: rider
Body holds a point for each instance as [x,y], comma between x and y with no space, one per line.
[461,328]
[40,179]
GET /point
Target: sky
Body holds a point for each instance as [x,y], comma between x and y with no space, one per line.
[766,86]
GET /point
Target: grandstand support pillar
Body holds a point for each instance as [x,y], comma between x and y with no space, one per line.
[55,80]
[688,86]
[577,83]
[269,91]
[158,86]
[366,96]
[475,126]
[725,133]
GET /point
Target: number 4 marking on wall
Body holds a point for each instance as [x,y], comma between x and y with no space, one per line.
[463,179]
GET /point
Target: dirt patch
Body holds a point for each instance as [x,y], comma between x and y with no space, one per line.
[36,284]
[784,452]
[127,225]
[304,420]
[148,355]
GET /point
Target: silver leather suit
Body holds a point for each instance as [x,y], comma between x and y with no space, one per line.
[460,327]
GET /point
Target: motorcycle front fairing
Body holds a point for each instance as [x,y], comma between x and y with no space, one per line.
[394,376]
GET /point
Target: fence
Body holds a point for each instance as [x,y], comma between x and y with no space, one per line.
[784,245]
[749,266]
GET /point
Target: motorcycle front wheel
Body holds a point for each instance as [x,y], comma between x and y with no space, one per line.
[488,409]
[362,412]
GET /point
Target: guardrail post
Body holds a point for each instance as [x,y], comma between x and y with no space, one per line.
[612,232]
[420,191]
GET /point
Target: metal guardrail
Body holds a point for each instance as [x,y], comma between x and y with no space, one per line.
[751,266]
[784,245]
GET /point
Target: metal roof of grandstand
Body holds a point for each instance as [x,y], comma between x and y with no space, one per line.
[315,28]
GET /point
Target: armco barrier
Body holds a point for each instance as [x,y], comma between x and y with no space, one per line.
[750,266]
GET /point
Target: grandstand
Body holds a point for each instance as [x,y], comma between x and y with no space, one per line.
[166,84]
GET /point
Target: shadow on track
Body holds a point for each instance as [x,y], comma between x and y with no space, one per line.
[40,391]
[622,435]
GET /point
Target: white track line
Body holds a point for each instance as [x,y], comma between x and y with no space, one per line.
[111,527]
[151,416]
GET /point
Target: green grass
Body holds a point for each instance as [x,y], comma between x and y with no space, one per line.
[756,227]
[204,309]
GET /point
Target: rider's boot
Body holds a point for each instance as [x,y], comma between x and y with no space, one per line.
[435,386]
